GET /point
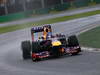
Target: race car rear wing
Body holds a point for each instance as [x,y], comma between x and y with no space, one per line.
[45,29]
[39,28]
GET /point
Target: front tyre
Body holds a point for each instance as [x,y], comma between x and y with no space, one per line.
[73,42]
[26,49]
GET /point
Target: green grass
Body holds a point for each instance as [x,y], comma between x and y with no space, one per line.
[90,38]
[47,21]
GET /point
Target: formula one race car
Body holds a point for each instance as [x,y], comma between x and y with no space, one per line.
[49,45]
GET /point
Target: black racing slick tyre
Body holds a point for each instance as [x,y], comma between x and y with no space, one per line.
[73,41]
[26,49]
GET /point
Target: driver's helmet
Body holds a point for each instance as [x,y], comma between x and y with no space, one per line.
[41,38]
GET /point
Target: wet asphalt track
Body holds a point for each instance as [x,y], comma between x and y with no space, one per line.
[86,63]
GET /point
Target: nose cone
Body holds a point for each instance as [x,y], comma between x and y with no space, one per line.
[56,43]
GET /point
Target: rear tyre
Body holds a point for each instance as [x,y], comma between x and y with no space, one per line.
[26,49]
[72,42]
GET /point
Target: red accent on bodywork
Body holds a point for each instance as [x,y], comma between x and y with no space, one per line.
[32,37]
[34,55]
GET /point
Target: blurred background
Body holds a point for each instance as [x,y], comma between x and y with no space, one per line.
[13,6]
[26,8]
